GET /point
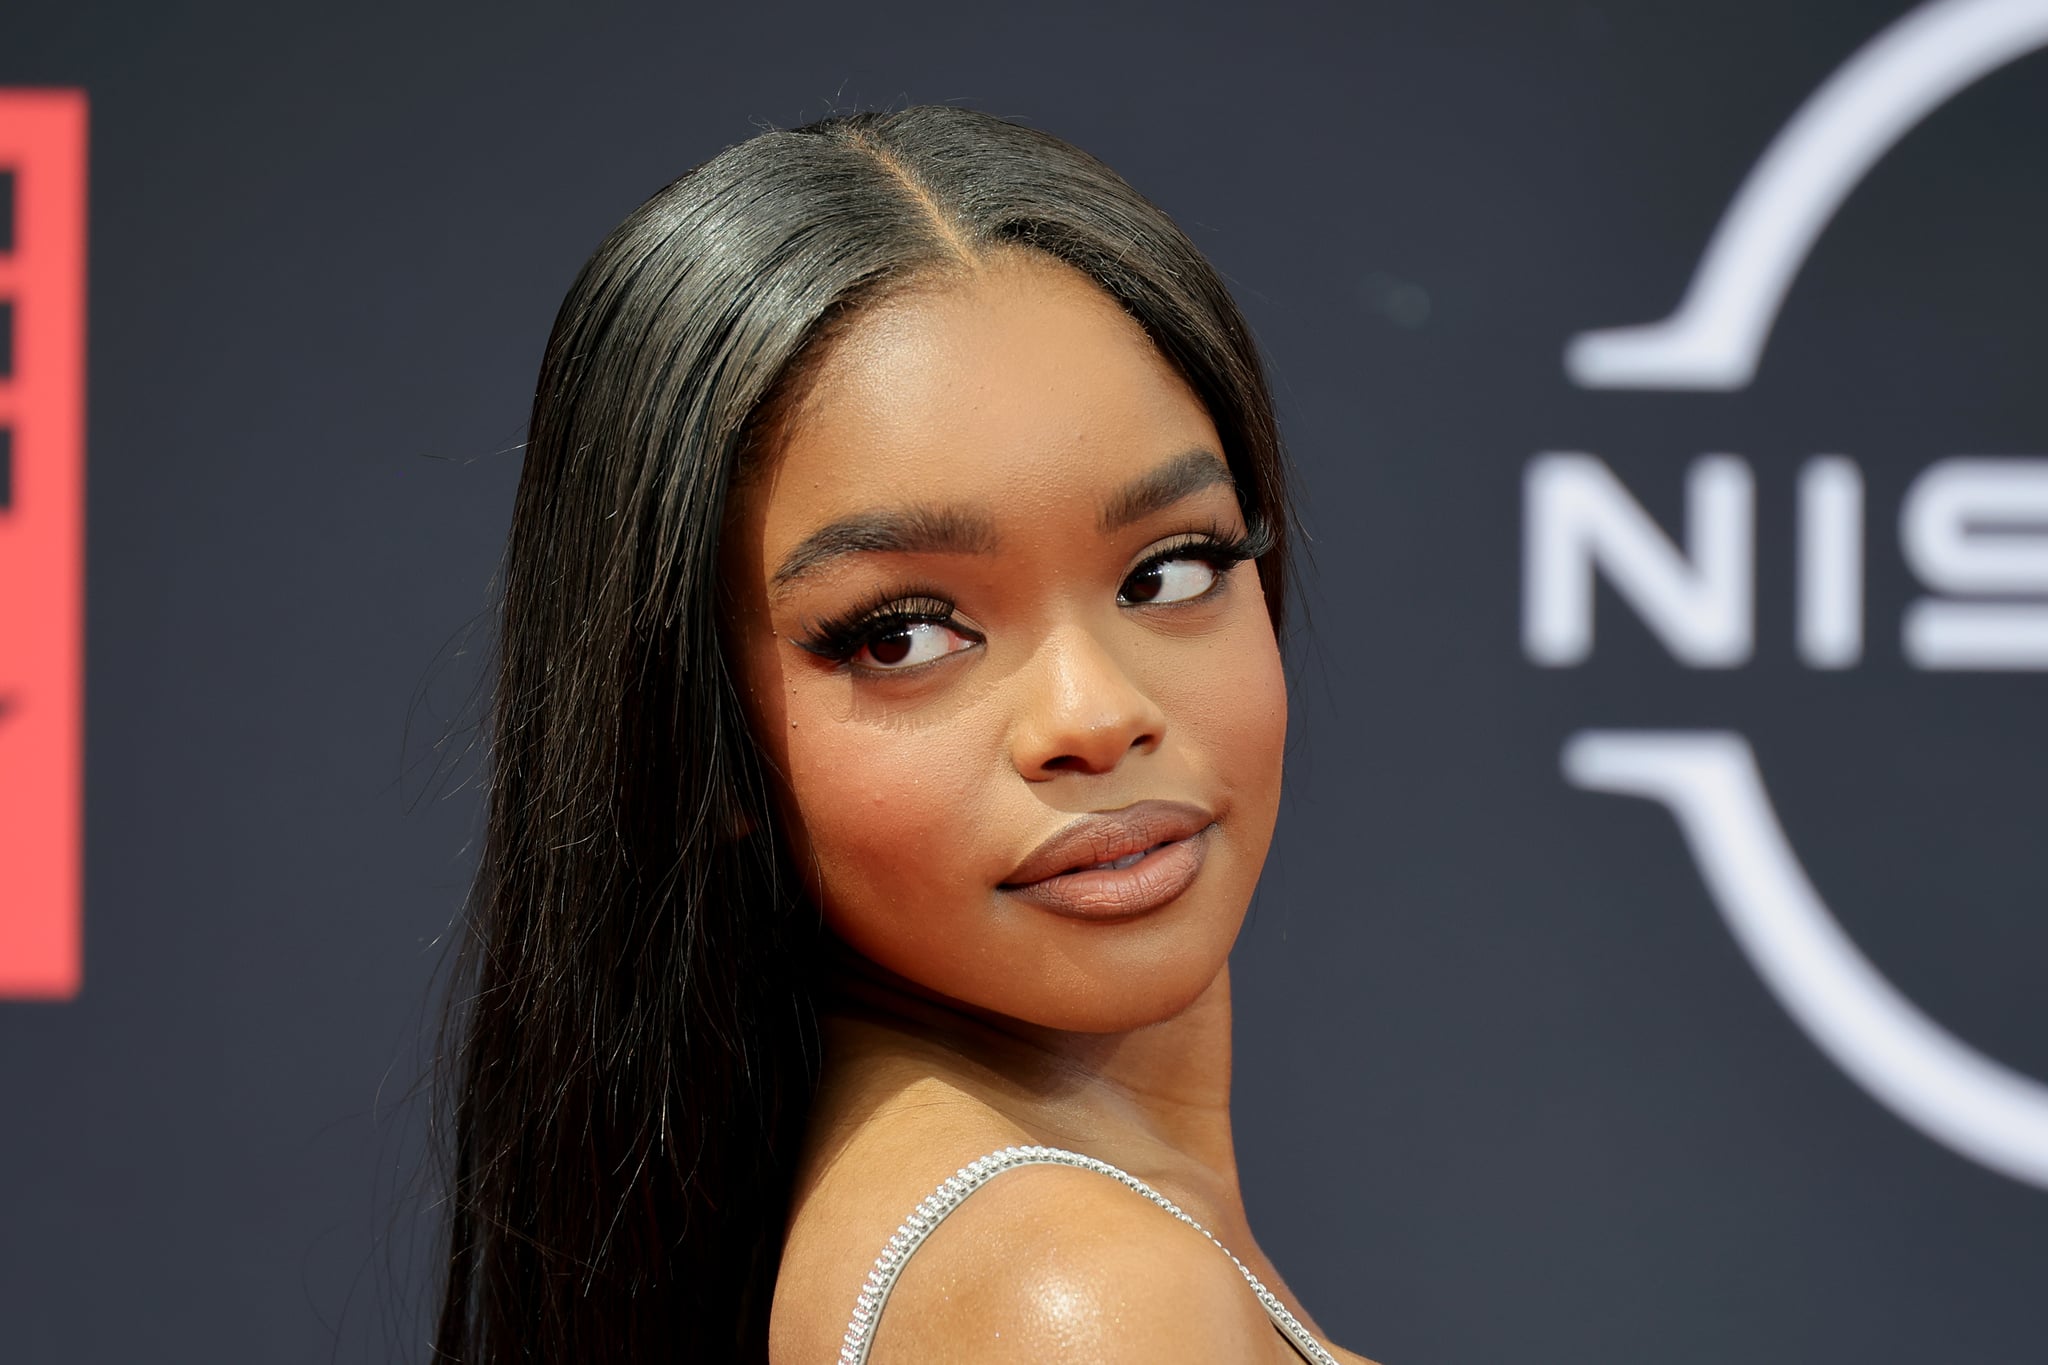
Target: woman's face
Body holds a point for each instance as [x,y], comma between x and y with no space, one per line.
[995,632]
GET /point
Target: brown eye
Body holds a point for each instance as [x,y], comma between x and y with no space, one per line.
[907,644]
[1144,585]
[893,648]
[1170,580]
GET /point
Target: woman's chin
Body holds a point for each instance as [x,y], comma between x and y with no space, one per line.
[1121,1000]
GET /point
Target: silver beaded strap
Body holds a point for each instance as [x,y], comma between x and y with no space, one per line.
[860,1333]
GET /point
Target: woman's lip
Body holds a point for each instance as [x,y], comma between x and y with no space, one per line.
[1164,873]
[1065,873]
[1104,836]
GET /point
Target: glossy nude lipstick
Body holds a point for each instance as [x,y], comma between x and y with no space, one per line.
[1116,865]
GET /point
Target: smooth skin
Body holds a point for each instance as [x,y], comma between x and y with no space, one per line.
[1015,407]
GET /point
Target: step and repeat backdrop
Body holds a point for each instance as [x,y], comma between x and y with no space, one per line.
[1653,961]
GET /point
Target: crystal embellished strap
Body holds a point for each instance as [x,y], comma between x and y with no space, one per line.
[860,1333]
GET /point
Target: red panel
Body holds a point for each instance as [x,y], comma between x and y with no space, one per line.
[42,549]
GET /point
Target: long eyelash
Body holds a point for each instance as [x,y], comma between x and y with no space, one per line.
[841,637]
[1223,549]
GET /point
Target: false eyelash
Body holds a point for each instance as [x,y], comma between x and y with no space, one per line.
[1223,549]
[839,638]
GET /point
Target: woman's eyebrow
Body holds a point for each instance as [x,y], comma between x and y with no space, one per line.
[894,530]
[1183,476]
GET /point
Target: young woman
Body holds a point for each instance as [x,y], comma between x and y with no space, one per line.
[887,742]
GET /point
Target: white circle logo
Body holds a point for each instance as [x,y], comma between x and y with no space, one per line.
[1579,521]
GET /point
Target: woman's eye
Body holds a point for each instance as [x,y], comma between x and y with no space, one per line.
[908,643]
[1170,580]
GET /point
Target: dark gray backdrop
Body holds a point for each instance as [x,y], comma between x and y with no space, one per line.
[1507,1090]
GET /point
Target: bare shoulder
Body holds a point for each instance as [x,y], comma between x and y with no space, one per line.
[1053,1263]
[1041,1262]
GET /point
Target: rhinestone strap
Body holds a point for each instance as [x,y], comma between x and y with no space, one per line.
[867,1309]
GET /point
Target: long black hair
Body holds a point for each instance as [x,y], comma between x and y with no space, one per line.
[630,1048]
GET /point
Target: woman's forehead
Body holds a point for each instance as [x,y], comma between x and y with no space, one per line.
[1020,382]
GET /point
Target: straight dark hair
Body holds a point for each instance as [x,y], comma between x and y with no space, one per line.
[630,1046]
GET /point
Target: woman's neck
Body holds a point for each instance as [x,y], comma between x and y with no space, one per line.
[1156,1095]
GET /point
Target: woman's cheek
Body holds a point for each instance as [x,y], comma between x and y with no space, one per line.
[887,819]
[1266,703]
[1245,714]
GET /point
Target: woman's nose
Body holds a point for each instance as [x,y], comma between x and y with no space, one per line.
[1083,711]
